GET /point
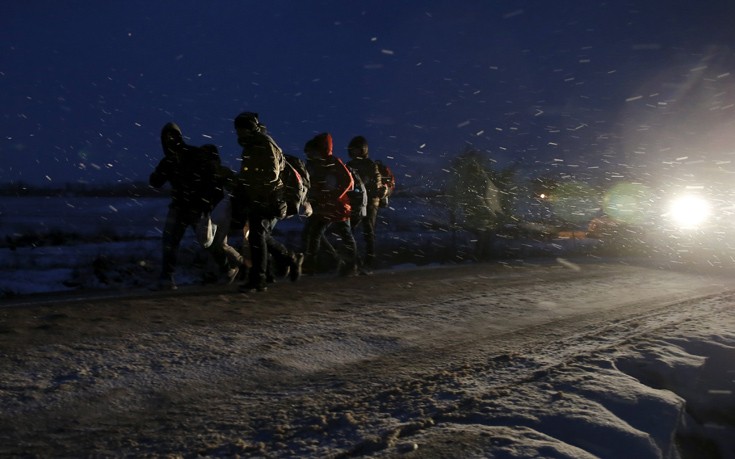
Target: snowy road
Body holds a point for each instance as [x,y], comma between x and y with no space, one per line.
[464,361]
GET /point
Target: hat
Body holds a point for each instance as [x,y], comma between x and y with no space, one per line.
[247,121]
[171,126]
[321,144]
[358,147]
[171,136]
[324,143]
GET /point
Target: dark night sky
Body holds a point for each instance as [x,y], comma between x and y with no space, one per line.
[87,85]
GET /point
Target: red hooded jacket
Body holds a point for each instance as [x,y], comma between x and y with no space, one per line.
[330,180]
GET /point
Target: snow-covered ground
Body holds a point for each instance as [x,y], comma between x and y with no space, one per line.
[559,357]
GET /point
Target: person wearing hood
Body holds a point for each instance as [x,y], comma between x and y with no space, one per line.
[258,194]
[370,174]
[196,187]
[330,202]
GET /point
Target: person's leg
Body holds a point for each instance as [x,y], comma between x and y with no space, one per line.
[349,260]
[277,250]
[226,256]
[259,228]
[227,259]
[485,245]
[285,260]
[368,231]
[279,257]
[217,249]
[234,258]
[356,222]
[236,218]
[173,232]
[329,248]
[313,231]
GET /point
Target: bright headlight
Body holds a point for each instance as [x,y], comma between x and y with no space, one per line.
[689,211]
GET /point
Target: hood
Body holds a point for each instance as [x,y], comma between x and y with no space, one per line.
[358,148]
[171,136]
[321,145]
[172,129]
[247,123]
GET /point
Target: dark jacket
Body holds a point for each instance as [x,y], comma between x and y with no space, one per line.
[330,181]
[192,173]
[259,178]
[370,175]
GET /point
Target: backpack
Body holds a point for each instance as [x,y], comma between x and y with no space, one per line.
[358,195]
[198,186]
[295,184]
[389,182]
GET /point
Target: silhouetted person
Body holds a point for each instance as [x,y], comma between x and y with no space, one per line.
[195,189]
[328,195]
[228,260]
[258,194]
[368,170]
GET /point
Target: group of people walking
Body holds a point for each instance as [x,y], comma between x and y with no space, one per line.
[269,186]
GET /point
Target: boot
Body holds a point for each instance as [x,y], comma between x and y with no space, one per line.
[254,284]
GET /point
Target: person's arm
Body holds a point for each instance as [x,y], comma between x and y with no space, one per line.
[162,173]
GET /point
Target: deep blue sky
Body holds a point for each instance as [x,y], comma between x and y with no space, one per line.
[85,86]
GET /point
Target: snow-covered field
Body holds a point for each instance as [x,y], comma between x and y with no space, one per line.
[73,243]
[561,357]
